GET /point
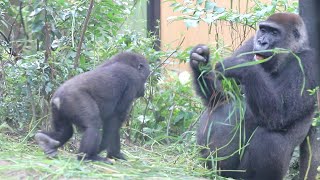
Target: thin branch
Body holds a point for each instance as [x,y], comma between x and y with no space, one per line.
[4,37]
[47,36]
[76,60]
[189,128]
[150,94]
[22,21]
[176,50]
[145,112]
[32,102]
[11,52]
[169,121]
[11,28]
[318,99]
[131,10]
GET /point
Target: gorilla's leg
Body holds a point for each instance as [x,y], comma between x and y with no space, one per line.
[111,137]
[267,160]
[50,141]
[47,144]
[310,164]
[89,120]
[104,143]
[90,143]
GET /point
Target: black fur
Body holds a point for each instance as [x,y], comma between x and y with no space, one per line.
[277,116]
[97,102]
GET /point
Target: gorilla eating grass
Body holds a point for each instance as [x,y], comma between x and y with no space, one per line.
[278,109]
[98,102]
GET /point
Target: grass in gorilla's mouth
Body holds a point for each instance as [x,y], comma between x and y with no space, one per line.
[27,161]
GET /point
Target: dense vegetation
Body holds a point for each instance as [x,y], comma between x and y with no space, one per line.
[43,43]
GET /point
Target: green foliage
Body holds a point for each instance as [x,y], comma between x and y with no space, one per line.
[26,161]
[29,79]
[173,107]
[316,119]
[26,82]
[37,61]
[38,44]
[208,11]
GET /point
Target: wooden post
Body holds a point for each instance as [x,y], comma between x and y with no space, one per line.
[310,13]
[153,20]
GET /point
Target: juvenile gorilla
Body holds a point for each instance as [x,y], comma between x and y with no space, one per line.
[95,100]
[278,108]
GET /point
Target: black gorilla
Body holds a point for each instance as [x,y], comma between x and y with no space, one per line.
[278,110]
[95,100]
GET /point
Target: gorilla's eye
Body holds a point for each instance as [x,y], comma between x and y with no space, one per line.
[263,30]
[274,32]
[296,34]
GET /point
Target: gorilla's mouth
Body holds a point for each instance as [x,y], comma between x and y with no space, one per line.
[259,56]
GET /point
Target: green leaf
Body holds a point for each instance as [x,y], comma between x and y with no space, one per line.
[65,15]
[219,10]
[178,118]
[48,87]
[37,26]
[197,14]
[55,44]
[191,23]
[175,4]
[209,5]
[35,12]
[187,10]
[208,19]
[178,8]
[199,2]
[82,62]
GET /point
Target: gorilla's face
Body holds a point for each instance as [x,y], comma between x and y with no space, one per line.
[144,71]
[273,35]
[268,37]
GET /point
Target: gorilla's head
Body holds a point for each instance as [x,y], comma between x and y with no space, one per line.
[281,30]
[140,64]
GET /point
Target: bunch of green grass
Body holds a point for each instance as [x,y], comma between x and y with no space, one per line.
[27,161]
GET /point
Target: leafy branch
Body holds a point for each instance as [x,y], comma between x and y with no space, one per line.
[76,60]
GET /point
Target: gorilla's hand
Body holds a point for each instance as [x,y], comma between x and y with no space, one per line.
[199,54]
[228,68]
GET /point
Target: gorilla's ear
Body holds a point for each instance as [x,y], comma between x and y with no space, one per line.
[140,66]
[296,33]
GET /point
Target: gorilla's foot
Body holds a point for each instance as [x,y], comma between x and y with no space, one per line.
[95,158]
[47,144]
[116,156]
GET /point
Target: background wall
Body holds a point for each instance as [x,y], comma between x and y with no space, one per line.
[226,34]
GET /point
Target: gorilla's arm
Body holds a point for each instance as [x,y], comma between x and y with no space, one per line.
[205,81]
[266,105]
[203,76]
[277,101]
[299,106]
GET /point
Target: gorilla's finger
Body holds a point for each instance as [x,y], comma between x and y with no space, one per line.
[205,49]
[202,49]
[219,67]
[197,57]
[199,50]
